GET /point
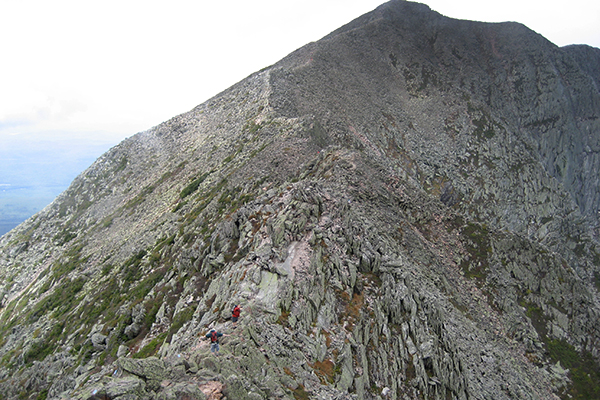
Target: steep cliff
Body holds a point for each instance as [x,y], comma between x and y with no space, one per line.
[405,209]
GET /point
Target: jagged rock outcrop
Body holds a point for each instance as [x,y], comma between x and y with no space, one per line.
[405,209]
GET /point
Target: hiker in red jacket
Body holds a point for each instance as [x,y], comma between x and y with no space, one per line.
[235,313]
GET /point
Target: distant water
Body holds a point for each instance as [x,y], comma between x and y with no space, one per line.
[6,226]
[18,205]
[36,169]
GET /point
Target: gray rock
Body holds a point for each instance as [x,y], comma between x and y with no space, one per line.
[117,388]
[181,391]
[131,331]
[122,351]
[99,341]
[150,368]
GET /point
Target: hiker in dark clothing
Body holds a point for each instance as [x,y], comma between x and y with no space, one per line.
[235,313]
[214,336]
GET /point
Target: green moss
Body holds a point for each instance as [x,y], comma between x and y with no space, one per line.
[580,250]
[232,199]
[485,127]
[7,323]
[205,200]
[131,268]
[165,242]
[597,280]
[106,268]
[193,186]
[43,395]
[122,164]
[85,352]
[73,261]
[107,221]
[584,370]
[139,199]
[537,317]
[544,123]
[39,350]
[106,298]
[60,301]
[254,152]
[151,348]
[64,237]
[144,287]
[252,127]
[152,308]
[181,318]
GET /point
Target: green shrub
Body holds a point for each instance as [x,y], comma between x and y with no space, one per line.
[151,348]
[43,395]
[179,320]
[61,300]
[585,372]
[192,187]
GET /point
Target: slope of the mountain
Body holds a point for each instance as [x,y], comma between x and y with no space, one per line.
[405,209]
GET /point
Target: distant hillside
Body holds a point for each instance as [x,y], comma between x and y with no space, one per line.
[404,209]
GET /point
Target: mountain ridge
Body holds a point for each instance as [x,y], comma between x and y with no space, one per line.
[393,207]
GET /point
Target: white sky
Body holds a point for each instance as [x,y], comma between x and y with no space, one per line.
[105,70]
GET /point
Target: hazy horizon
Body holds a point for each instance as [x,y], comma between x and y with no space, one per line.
[34,172]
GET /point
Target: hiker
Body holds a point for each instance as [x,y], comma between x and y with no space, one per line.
[235,313]
[214,336]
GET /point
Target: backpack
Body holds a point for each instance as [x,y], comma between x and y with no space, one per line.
[235,311]
[213,337]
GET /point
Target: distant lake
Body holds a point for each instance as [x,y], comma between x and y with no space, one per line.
[33,172]
[17,203]
[8,226]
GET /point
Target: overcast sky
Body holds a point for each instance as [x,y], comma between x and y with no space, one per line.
[105,70]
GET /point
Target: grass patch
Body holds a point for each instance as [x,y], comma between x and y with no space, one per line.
[349,307]
[42,348]
[584,371]
[180,319]
[60,301]
[139,199]
[193,186]
[64,237]
[151,348]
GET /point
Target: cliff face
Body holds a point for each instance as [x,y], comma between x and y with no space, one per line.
[404,209]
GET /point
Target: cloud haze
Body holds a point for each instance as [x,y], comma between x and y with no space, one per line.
[119,67]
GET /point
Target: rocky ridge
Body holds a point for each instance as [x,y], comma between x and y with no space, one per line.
[395,207]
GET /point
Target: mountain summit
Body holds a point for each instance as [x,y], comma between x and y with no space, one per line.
[405,209]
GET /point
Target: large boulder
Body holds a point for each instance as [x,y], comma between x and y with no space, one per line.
[150,368]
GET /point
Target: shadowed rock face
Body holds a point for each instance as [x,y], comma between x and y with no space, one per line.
[405,209]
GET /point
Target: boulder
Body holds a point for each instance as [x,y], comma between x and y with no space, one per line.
[150,368]
[99,341]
